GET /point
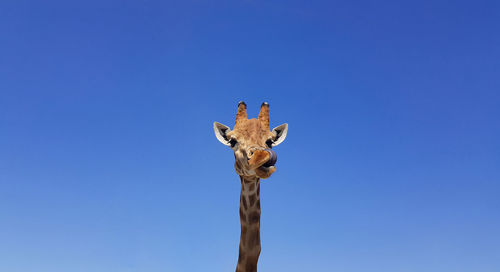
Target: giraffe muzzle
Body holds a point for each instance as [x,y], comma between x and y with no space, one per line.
[272,158]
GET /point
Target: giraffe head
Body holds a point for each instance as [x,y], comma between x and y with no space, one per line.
[252,142]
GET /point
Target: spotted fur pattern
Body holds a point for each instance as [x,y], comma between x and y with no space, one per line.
[249,139]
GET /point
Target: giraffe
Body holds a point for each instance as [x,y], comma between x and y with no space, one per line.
[252,143]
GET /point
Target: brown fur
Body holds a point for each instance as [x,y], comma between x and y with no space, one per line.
[244,202]
[252,199]
[248,140]
[251,136]
[249,249]
[264,114]
[242,112]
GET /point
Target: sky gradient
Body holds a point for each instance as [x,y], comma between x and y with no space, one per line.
[109,163]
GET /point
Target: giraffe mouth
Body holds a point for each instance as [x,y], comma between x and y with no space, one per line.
[272,158]
[265,171]
[266,168]
[263,161]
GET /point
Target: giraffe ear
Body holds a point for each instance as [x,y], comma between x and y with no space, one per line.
[221,132]
[279,134]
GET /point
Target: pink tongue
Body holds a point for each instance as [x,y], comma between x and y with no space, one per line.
[272,158]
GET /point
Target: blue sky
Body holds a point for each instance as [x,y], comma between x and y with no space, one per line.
[108,161]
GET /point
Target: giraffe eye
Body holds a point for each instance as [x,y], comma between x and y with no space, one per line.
[269,143]
[233,142]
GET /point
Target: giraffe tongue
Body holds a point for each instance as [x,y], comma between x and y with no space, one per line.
[272,158]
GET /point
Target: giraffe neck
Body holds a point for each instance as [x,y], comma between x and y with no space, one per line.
[250,225]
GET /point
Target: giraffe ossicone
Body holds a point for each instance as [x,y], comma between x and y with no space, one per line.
[251,141]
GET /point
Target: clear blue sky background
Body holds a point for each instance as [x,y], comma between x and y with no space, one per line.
[108,161]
